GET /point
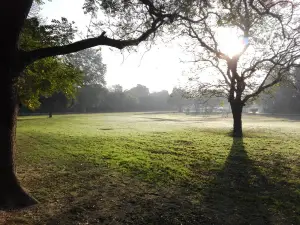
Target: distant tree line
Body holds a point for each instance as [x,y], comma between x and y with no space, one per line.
[93,98]
[284,98]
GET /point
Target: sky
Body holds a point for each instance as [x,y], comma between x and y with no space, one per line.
[158,69]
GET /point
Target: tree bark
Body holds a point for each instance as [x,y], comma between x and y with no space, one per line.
[13,13]
[237,109]
[12,196]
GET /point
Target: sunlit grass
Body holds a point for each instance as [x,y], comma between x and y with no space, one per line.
[156,169]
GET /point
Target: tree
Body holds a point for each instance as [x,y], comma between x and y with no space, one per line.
[141,94]
[178,98]
[57,102]
[90,97]
[48,76]
[269,51]
[204,98]
[284,98]
[159,100]
[45,78]
[135,22]
[89,61]
[139,91]
[117,88]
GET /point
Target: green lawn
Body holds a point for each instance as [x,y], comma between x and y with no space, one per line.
[158,169]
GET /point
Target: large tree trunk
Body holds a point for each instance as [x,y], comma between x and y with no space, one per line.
[237,109]
[13,13]
[12,196]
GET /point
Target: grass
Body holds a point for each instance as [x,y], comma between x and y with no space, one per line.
[157,169]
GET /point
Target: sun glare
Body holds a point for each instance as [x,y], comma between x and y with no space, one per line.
[230,41]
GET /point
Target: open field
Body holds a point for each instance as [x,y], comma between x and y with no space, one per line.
[140,168]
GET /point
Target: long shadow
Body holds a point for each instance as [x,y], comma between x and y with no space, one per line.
[241,194]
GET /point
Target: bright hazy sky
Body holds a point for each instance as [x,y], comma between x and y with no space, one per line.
[159,68]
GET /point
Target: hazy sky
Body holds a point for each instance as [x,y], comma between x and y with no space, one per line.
[158,69]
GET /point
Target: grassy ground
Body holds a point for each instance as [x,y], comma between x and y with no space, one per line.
[158,169]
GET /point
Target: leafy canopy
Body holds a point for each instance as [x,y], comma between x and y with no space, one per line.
[50,75]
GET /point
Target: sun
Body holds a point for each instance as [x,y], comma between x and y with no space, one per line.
[230,41]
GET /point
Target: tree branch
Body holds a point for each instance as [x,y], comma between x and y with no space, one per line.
[252,69]
[247,97]
[193,34]
[218,68]
[263,87]
[267,12]
[31,56]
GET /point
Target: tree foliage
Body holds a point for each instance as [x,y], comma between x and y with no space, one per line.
[178,98]
[96,98]
[45,78]
[284,98]
[90,97]
[139,91]
[90,62]
[51,75]
[36,35]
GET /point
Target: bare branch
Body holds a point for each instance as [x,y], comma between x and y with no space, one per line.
[253,68]
[225,76]
[267,12]
[193,34]
[263,87]
[247,97]
[34,55]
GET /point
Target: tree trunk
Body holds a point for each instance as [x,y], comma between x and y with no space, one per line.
[12,196]
[237,108]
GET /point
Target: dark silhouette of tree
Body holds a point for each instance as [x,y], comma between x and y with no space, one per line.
[90,97]
[56,102]
[270,34]
[134,22]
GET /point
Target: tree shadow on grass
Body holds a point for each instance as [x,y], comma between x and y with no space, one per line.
[242,194]
[238,194]
[105,197]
